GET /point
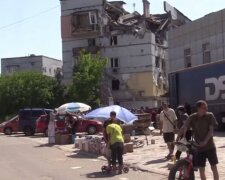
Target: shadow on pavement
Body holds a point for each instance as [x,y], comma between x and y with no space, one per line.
[44,145]
[99,175]
[16,135]
[38,136]
[157,161]
[81,155]
[22,135]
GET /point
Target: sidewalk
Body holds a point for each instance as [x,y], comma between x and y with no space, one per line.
[151,158]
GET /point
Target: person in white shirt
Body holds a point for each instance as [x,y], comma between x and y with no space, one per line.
[51,127]
[168,121]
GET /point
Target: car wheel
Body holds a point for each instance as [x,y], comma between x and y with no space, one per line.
[28,131]
[8,131]
[91,130]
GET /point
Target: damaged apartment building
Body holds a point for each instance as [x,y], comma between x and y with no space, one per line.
[135,45]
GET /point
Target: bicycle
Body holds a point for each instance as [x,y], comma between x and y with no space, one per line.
[184,168]
[138,143]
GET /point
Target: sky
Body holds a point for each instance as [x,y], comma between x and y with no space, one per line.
[33,26]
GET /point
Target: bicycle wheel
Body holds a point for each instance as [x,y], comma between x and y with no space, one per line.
[180,171]
[138,144]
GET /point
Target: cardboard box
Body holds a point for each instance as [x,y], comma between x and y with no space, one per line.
[127,138]
[85,146]
[57,139]
[128,147]
[66,139]
[94,148]
[62,139]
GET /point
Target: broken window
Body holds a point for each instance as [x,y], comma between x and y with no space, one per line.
[85,21]
[115,85]
[91,42]
[113,41]
[206,53]
[93,18]
[187,58]
[114,62]
[157,62]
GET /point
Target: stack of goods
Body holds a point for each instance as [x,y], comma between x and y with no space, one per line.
[89,144]
[96,145]
[128,145]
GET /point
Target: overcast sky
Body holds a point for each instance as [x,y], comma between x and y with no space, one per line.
[40,33]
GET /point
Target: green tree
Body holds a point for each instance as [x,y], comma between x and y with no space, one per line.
[27,89]
[87,78]
[59,90]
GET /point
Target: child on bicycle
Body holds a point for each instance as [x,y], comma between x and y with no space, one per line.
[182,117]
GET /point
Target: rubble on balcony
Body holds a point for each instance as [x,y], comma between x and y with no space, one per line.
[135,23]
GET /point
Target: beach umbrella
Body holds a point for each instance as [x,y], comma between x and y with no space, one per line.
[122,114]
[73,107]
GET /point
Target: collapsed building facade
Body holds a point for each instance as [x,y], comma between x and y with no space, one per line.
[135,45]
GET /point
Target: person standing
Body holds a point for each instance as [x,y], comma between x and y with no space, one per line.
[182,117]
[51,127]
[71,121]
[168,120]
[115,137]
[202,124]
[187,108]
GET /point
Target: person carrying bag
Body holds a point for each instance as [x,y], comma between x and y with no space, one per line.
[168,120]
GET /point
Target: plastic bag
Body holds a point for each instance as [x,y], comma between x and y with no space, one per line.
[182,147]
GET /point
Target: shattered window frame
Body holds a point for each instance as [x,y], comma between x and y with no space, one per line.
[78,26]
[187,58]
[115,84]
[114,40]
[157,61]
[92,42]
[114,62]
[93,17]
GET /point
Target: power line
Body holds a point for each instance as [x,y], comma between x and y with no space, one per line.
[28,18]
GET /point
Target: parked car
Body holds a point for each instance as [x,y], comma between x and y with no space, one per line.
[89,126]
[28,117]
[10,126]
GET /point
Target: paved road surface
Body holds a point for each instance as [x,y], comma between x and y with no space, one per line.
[22,158]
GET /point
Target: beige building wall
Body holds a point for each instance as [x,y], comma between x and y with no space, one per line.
[141,83]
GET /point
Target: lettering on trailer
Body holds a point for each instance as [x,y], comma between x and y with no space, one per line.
[215,88]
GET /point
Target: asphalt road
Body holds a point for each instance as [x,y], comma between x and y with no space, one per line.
[22,158]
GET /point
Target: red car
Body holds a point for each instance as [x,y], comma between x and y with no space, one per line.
[89,126]
[10,126]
